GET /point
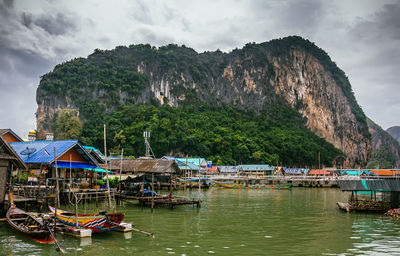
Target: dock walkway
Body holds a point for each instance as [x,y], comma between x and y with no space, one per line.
[160,200]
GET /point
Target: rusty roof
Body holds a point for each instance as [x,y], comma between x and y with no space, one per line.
[143,165]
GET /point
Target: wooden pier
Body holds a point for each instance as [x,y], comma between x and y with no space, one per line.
[160,200]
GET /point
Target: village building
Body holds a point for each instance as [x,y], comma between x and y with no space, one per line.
[9,136]
[190,166]
[228,170]
[9,161]
[41,157]
[256,169]
[161,172]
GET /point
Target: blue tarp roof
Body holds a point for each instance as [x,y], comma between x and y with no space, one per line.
[44,150]
[66,164]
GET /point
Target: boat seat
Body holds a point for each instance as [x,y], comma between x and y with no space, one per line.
[18,219]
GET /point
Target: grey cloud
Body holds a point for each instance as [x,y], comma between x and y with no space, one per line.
[56,25]
[5,7]
[381,25]
[141,13]
[26,19]
[59,24]
[24,62]
[302,15]
[9,3]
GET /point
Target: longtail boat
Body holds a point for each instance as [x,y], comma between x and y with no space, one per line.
[97,223]
[256,186]
[28,225]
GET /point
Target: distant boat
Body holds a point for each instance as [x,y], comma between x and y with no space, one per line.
[28,225]
[97,223]
[363,205]
[255,186]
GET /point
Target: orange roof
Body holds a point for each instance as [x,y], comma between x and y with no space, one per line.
[319,172]
[383,172]
[212,169]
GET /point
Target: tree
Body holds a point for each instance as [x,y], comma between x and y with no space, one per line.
[68,125]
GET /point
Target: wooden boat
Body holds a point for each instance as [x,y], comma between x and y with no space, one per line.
[28,225]
[344,206]
[364,206]
[97,223]
[256,186]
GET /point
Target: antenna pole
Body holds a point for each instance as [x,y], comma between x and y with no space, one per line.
[105,154]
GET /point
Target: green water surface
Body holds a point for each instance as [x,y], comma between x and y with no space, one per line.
[299,221]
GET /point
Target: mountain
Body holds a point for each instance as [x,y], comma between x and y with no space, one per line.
[385,149]
[289,82]
[394,131]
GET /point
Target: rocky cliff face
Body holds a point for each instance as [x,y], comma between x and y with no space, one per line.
[394,131]
[386,150]
[289,71]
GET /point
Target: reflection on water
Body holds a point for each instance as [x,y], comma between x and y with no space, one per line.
[235,222]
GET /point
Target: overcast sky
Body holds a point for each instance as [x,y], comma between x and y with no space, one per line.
[362,37]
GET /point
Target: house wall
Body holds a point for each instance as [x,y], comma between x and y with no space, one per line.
[10,138]
[75,156]
[3,179]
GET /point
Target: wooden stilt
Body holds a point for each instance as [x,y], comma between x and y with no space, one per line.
[152,192]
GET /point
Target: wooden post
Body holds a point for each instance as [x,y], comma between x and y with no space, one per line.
[319,161]
[152,192]
[170,181]
[105,154]
[184,185]
[70,171]
[76,210]
[120,171]
[199,179]
[57,192]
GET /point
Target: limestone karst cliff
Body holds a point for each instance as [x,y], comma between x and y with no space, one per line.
[385,148]
[290,71]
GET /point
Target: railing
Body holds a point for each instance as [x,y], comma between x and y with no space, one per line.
[34,192]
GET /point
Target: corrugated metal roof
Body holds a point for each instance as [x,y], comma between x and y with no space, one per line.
[194,161]
[44,150]
[256,167]
[143,165]
[228,169]
[94,149]
[191,164]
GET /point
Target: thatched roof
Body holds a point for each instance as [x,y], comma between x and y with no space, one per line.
[144,166]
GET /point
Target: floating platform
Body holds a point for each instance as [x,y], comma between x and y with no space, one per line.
[160,200]
[125,227]
[170,202]
[76,232]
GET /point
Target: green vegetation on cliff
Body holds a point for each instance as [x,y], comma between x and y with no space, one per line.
[386,149]
[223,135]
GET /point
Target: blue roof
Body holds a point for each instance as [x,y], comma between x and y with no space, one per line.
[94,149]
[181,162]
[67,164]
[44,150]
[194,161]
